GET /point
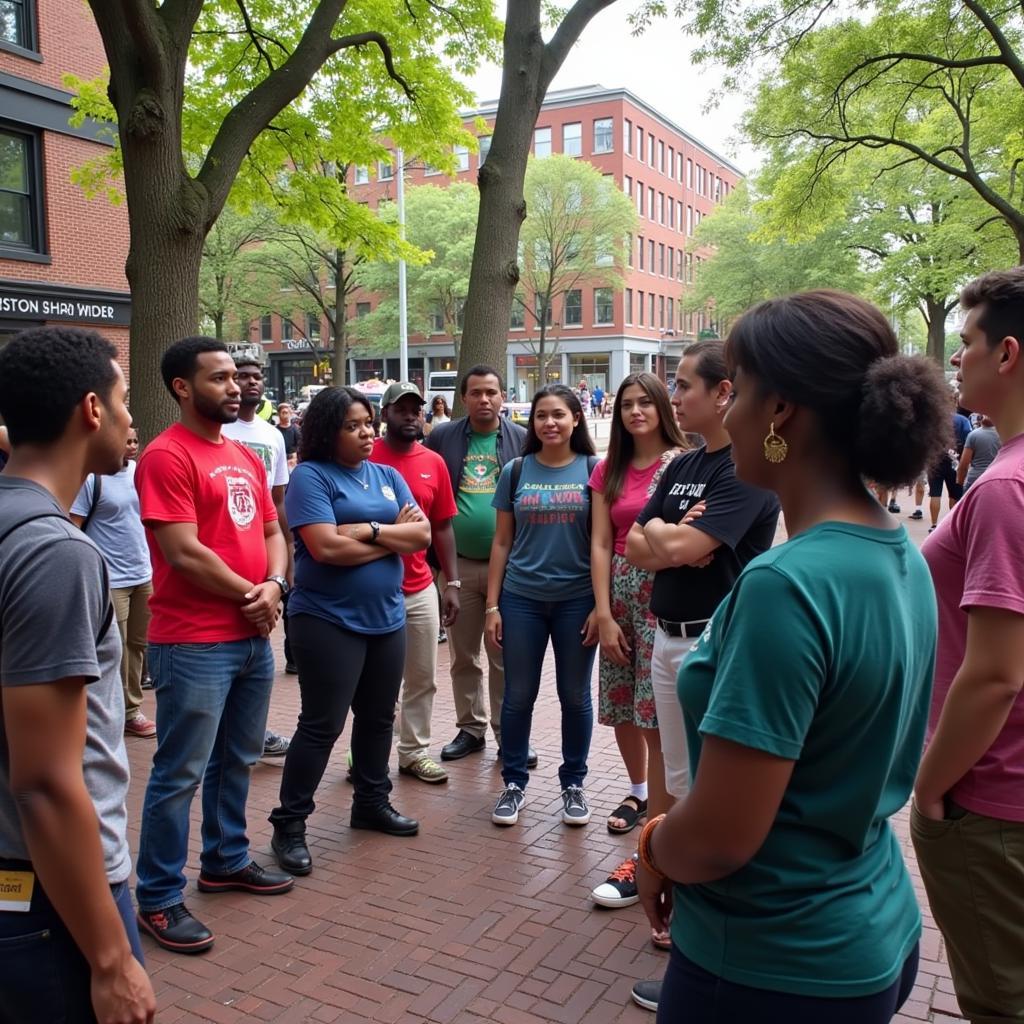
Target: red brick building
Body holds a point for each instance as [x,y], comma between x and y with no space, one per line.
[61,255]
[674,180]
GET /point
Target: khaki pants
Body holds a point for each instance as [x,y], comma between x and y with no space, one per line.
[466,638]
[131,607]
[973,871]
[422,623]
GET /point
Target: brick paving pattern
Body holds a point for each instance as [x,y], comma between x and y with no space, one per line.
[461,924]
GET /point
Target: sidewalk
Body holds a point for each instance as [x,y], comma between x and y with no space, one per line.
[463,923]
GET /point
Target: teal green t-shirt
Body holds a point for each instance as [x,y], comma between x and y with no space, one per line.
[474,524]
[822,654]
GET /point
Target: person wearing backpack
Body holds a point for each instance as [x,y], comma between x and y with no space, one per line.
[539,589]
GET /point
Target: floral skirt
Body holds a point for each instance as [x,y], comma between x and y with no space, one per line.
[625,691]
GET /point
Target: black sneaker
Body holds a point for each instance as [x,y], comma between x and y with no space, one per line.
[647,994]
[290,668]
[619,888]
[916,514]
[575,810]
[252,878]
[176,929]
[894,508]
[506,810]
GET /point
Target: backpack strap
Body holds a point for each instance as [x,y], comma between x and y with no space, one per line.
[108,616]
[97,490]
[517,472]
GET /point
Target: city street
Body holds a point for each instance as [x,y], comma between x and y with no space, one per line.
[464,923]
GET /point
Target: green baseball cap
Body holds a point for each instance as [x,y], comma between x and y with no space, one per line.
[400,390]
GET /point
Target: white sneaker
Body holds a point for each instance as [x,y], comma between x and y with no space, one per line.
[575,810]
[506,810]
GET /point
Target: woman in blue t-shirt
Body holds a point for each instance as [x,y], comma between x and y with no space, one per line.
[538,589]
[806,697]
[351,519]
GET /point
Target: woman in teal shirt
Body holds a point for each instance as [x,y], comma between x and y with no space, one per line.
[805,700]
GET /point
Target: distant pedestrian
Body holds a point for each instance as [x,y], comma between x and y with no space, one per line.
[980,449]
[107,508]
[290,431]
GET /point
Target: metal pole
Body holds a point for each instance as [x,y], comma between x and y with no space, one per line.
[403,321]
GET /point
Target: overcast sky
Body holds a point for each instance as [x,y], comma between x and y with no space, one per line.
[654,66]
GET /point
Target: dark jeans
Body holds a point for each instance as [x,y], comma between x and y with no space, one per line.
[338,670]
[287,638]
[691,994]
[43,975]
[527,625]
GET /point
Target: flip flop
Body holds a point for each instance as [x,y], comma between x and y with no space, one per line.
[631,810]
[661,940]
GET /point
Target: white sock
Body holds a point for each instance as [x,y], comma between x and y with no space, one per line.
[639,790]
[920,508]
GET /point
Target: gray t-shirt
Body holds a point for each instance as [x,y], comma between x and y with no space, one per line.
[550,556]
[116,526]
[53,606]
[984,442]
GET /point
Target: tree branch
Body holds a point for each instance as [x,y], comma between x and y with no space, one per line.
[1009,55]
[568,32]
[362,39]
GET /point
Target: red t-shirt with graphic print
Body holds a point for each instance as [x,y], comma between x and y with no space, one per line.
[222,488]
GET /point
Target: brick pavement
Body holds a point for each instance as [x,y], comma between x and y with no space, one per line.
[464,923]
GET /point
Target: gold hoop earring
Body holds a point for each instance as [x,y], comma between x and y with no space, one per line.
[775,448]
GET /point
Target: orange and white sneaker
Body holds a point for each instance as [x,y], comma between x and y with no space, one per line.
[619,889]
[140,726]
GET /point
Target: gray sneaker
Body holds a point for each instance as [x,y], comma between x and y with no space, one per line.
[275,748]
[574,806]
[506,810]
[647,994]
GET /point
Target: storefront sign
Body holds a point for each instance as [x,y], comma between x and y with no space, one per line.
[67,305]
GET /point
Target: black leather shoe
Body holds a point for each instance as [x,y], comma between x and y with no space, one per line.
[289,846]
[252,878]
[463,744]
[385,819]
[176,929]
[531,757]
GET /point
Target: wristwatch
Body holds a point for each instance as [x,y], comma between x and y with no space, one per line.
[375,527]
[457,584]
[281,582]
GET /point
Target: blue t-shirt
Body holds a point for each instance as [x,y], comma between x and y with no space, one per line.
[116,527]
[550,556]
[362,598]
[961,428]
[822,654]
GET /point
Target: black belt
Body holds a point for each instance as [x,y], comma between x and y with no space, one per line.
[680,629]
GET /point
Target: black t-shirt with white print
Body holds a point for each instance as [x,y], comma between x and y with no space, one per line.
[741,517]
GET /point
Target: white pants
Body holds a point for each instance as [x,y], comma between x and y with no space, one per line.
[669,652]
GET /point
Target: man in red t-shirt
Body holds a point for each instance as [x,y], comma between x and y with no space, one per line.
[427,476]
[219,559]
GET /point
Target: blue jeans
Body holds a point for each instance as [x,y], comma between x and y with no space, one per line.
[526,626]
[211,712]
[43,975]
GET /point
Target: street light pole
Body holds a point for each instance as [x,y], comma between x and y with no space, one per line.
[403,323]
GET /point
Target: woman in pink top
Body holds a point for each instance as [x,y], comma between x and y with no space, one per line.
[644,439]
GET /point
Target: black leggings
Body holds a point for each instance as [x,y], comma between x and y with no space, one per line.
[691,994]
[339,669]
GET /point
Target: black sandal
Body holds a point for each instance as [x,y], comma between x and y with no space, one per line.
[631,813]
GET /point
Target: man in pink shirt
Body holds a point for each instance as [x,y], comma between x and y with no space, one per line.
[968,817]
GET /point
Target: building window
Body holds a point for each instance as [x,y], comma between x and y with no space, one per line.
[573,308]
[628,312]
[640,308]
[650,202]
[689,268]
[266,328]
[542,142]
[627,136]
[429,170]
[627,185]
[650,150]
[671,212]
[671,262]
[362,175]
[385,170]
[650,254]
[689,220]
[572,139]
[539,313]
[604,307]
[696,219]
[661,156]
[661,258]
[286,329]
[629,250]
[650,308]
[640,198]
[313,326]
[17,23]
[689,173]
[485,147]
[671,161]
[679,167]
[604,137]
[21,191]
[640,249]
[639,143]
[661,312]
[461,158]
[661,207]
[437,320]
[362,309]
[517,318]
[670,314]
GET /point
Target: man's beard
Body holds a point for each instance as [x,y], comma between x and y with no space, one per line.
[214,411]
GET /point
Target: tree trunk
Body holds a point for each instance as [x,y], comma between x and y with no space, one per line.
[934,312]
[340,356]
[529,65]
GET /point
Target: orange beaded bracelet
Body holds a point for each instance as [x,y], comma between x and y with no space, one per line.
[644,846]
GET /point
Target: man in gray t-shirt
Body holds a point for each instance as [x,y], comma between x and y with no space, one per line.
[980,448]
[65,904]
